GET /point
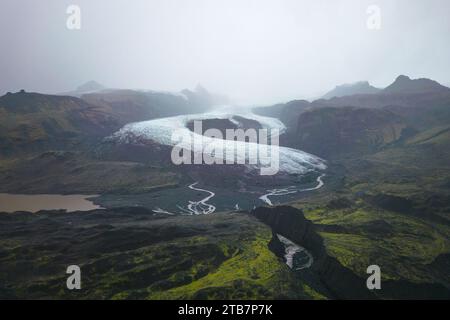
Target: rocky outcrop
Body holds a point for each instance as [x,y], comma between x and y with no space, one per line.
[340,281]
[276,246]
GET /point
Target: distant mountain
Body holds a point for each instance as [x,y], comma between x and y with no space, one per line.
[331,132]
[288,112]
[408,94]
[363,123]
[362,87]
[36,123]
[422,102]
[90,86]
[404,84]
[146,105]
[151,103]
[201,97]
[132,105]
[33,122]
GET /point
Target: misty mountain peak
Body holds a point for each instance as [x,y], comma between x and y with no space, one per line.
[360,87]
[402,78]
[404,84]
[90,86]
[201,89]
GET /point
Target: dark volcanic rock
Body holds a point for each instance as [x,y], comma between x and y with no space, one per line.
[342,282]
[291,223]
[276,246]
[223,124]
[392,203]
[414,291]
[339,203]
[127,253]
[220,124]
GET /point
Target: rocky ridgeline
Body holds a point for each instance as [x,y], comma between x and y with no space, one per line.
[339,280]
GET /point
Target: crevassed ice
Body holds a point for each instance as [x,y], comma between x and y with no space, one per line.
[161,130]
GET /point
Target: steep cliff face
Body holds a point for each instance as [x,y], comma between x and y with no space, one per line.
[333,132]
[340,281]
[290,223]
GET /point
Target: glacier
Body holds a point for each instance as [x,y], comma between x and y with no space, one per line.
[161,130]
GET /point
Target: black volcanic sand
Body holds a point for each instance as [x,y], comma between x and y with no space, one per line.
[225,199]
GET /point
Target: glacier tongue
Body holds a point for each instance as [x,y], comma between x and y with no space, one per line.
[291,161]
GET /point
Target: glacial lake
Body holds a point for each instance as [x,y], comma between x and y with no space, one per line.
[34,203]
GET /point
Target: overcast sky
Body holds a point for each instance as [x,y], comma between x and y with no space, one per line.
[255,51]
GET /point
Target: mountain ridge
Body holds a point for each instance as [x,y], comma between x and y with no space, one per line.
[360,87]
[404,84]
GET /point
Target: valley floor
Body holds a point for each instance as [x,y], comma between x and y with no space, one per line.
[370,211]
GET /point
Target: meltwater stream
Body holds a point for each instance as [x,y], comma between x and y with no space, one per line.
[201,207]
[289,190]
[291,161]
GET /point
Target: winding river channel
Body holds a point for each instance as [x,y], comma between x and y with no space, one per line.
[201,207]
[289,190]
